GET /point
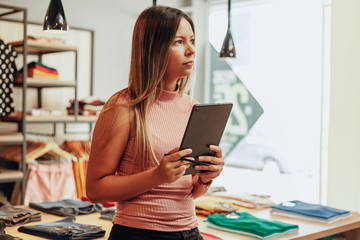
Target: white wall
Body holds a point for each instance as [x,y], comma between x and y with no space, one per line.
[344,132]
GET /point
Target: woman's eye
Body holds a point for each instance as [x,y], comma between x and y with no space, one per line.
[178,42]
[193,41]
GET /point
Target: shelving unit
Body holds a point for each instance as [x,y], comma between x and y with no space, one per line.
[9,175]
[40,48]
[25,47]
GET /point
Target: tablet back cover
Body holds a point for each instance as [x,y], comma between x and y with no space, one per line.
[205,127]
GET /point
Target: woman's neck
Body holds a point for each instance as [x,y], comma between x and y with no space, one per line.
[170,85]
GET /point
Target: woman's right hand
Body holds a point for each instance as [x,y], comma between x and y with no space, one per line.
[171,168]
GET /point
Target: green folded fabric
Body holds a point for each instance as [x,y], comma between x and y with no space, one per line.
[246,224]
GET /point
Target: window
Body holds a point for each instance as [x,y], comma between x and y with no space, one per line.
[279,47]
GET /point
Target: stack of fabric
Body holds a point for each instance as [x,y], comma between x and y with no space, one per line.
[245,224]
[309,211]
[207,205]
[66,207]
[246,199]
[90,106]
[3,235]
[64,229]
[15,215]
[37,69]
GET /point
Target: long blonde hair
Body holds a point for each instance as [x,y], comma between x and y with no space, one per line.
[153,34]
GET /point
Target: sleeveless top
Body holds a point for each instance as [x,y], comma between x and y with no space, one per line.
[167,207]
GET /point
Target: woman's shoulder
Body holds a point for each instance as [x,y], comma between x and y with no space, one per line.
[118,100]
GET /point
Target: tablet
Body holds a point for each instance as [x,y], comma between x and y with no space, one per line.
[204,128]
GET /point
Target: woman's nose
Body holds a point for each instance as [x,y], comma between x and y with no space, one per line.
[190,49]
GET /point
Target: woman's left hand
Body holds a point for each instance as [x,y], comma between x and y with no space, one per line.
[215,168]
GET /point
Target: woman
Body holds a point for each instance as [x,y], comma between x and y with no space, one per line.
[135,159]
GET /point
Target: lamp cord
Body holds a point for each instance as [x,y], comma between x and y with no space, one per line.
[229,14]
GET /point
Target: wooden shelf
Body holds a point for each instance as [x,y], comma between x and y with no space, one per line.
[9,175]
[40,47]
[11,138]
[65,118]
[43,82]
[52,119]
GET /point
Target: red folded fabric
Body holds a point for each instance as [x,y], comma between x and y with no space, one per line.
[108,204]
[208,236]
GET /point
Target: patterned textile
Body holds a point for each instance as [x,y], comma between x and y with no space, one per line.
[7,72]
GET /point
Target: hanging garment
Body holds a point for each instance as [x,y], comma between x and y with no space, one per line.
[81,150]
[7,72]
[50,182]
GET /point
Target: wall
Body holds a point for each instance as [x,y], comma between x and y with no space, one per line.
[344,130]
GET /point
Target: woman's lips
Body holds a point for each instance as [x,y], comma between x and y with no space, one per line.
[189,64]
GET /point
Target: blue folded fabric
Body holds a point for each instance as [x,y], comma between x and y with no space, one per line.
[65,229]
[310,210]
[66,207]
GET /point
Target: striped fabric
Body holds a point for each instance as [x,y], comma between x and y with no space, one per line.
[167,207]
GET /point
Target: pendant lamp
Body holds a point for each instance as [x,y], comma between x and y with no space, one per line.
[228,47]
[154,2]
[55,18]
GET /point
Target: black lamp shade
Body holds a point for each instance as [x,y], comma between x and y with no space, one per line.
[55,17]
[228,47]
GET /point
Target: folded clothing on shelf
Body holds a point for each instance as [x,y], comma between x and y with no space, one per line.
[246,224]
[38,69]
[15,215]
[66,207]
[64,229]
[87,106]
[42,39]
[40,112]
[309,211]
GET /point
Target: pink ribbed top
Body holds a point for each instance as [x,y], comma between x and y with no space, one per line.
[167,207]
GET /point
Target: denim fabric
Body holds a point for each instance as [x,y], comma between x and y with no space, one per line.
[107,214]
[14,215]
[67,207]
[64,229]
[3,235]
[119,232]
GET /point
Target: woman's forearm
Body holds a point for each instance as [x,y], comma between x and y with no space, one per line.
[118,188]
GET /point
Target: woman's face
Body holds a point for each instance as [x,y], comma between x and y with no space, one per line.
[181,56]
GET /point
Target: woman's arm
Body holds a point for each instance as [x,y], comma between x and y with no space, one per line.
[202,181]
[110,138]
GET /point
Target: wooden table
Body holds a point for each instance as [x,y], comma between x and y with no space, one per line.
[307,230]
